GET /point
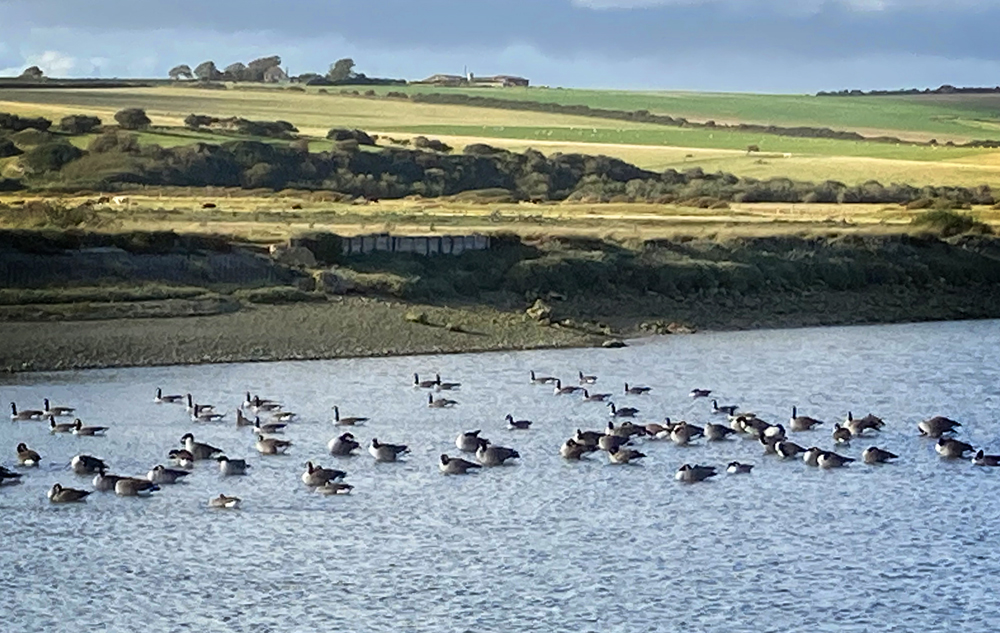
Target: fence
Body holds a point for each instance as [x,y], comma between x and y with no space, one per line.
[428,245]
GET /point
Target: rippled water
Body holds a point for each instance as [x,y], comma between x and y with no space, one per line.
[544,544]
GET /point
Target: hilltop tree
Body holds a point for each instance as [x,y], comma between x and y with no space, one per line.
[206,71]
[32,72]
[341,70]
[183,71]
[132,119]
[256,69]
[79,124]
[235,72]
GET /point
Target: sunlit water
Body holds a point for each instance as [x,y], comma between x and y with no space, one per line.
[540,545]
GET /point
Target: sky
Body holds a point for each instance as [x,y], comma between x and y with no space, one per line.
[787,46]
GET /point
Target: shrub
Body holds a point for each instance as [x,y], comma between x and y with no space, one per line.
[7,148]
[195,121]
[948,223]
[422,142]
[340,134]
[16,123]
[79,124]
[132,119]
[50,157]
[113,141]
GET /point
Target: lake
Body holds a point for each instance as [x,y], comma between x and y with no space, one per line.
[543,544]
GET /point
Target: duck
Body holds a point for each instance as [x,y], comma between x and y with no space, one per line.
[26,456]
[541,380]
[802,422]
[439,403]
[8,475]
[423,384]
[693,474]
[225,503]
[445,386]
[159,398]
[841,435]
[232,467]
[875,455]
[80,429]
[717,432]
[636,391]
[490,455]
[181,458]
[829,459]
[517,425]
[811,456]
[559,390]
[317,475]
[595,397]
[937,426]
[87,464]
[951,448]
[58,494]
[271,445]
[161,475]
[982,459]
[624,412]
[700,393]
[736,468]
[103,482]
[468,442]
[571,449]
[785,449]
[456,465]
[55,411]
[59,427]
[586,380]
[268,428]
[859,426]
[386,452]
[350,421]
[619,455]
[343,445]
[729,409]
[199,450]
[134,487]
[334,488]
[24,415]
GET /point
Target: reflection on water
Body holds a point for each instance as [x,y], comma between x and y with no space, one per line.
[543,544]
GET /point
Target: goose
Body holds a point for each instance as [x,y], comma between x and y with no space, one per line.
[717,432]
[58,494]
[445,386]
[490,455]
[595,397]
[754,426]
[192,407]
[202,413]
[769,443]
[456,465]
[841,435]
[829,459]
[439,403]
[619,455]
[559,390]
[811,456]
[241,419]
[10,475]
[875,455]
[541,380]
[386,452]
[658,431]
[87,465]
[692,474]
[423,384]
[182,458]
[736,468]
[159,398]
[258,405]
[103,482]
[334,488]
[627,429]
[232,467]
[343,445]
[271,445]
[937,426]
[785,449]
[26,456]
[80,429]
[700,393]
[624,412]
[729,409]
[268,428]
[982,459]
[612,442]
[952,449]
[23,415]
[317,475]
[199,450]
[636,391]
[350,421]
[56,411]
[59,427]
[802,422]
[224,502]
[859,426]
[283,416]
[468,442]
[586,380]
[775,431]
[682,433]
[519,425]
[161,475]
[134,487]
[587,438]
[571,449]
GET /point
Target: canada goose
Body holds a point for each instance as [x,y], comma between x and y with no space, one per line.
[587,438]
[559,390]
[242,420]
[729,409]
[439,403]
[56,411]
[456,465]
[283,416]
[103,482]
[161,475]
[134,487]
[682,433]
[519,425]
[785,449]
[192,407]
[26,414]
[802,422]
[203,414]
[875,455]
[612,442]
[571,449]
[700,393]
[717,432]
[748,424]
[181,458]
[199,450]
[7,474]
[624,412]
[692,474]
[317,475]
[586,380]
[595,397]
[736,468]
[343,446]
[26,456]
[423,384]
[445,386]
[829,459]
[775,431]
[627,429]
[87,465]
[811,457]
[952,449]
[769,443]
[259,405]
[859,426]
[490,455]
[982,459]
[386,452]
[271,445]
[334,488]
[841,435]
[162,399]
[636,391]
[268,428]
[620,455]
[59,427]
[658,431]
[224,502]
[937,426]
[351,421]
[58,494]
[232,467]
[80,429]
[541,380]
[468,442]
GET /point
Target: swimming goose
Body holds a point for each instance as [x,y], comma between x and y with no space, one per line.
[439,403]
[232,467]
[59,427]
[198,450]
[490,455]
[595,397]
[829,459]
[747,424]
[103,482]
[468,442]
[619,455]
[624,412]
[841,435]
[636,391]
[271,445]
[587,438]
[682,433]
[811,456]
[162,399]
[241,419]
[559,390]
[351,421]
[571,449]
[875,455]
[785,449]
[859,426]
[700,393]
[456,465]
[258,404]
[952,449]
[343,446]
[317,475]
[627,429]
[982,459]
[612,442]
[769,443]
[56,411]
[802,422]
[586,380]
[80,429]
[268,428]
[283,416]
[224,502]
[736,468]
[181,458]
[161,475]
[423,384]
[87,465]
[717,432]
[541,380]
[26,456]
[334,488]
[729,409]
[937,426]
[658,431]
[692,474]
[8,475]
[134,487]
[520,425]
[23,415]
[58,494]
[192,407]
[386,452]
[445,386]
[202,413]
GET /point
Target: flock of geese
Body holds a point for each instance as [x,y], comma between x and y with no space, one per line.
[619,440]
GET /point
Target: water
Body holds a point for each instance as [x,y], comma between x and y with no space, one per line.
[542,545]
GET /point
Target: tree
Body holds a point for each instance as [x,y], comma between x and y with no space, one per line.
[206,71]
[341,70]
[132,119]
[256,69]
[79,124]
[236,72]
[32,72]
[182,71]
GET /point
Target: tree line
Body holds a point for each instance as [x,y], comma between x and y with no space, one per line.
[269,70]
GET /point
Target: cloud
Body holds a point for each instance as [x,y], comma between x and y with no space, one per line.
[52,63]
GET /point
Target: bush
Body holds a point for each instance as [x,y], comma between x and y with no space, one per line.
[16,123]
[79,124]
[340,134]
[949,223]
[422,142]
[195,121]
[132,119]
[31,138]
[114,142]
[7,148]
[50,157]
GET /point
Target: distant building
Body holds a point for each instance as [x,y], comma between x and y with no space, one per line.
[497,81]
